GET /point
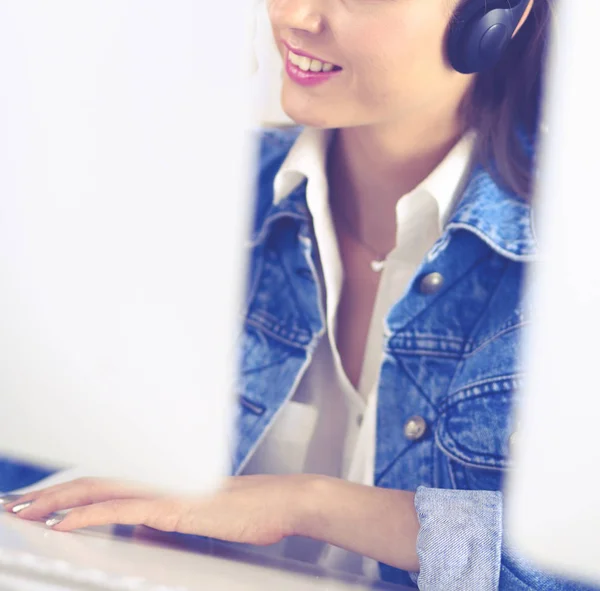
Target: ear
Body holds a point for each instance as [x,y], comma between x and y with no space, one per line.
[524,17]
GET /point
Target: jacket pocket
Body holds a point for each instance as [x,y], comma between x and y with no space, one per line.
[473,432]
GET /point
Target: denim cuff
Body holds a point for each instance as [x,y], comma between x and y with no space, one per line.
[460,540]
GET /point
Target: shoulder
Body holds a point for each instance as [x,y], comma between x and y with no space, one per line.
[272,147]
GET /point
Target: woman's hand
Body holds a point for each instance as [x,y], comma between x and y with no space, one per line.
[260,510]
[257,510]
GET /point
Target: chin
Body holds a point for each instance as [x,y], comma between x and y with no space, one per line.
[309,118]
[308,113]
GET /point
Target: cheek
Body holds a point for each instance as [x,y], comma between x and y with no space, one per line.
[401,63]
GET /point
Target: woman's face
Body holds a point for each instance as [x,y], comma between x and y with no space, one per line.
[389,57]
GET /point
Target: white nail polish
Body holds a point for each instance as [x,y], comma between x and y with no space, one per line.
[18,508]
[53,521]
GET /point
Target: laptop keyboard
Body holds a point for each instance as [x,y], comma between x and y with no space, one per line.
[59,571]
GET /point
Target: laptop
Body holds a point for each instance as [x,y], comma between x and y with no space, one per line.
[124,175]
[553,514]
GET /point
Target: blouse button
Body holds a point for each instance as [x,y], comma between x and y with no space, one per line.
[415,428]
[432,283]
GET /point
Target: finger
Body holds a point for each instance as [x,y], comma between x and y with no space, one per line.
[12,501]
[77,494]
[114,512]
[9,499]
[16,500]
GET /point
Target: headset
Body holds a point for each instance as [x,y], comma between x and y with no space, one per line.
[481,31]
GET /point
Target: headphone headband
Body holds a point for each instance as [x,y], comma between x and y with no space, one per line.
[480,32]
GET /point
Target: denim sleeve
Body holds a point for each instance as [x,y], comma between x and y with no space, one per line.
[460,546]
[15,475]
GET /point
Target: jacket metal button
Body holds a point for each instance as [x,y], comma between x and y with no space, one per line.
[415,428]
[432,283]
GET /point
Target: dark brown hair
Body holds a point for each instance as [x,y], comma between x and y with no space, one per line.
[504,105]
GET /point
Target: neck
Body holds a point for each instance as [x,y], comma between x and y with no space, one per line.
[371,167]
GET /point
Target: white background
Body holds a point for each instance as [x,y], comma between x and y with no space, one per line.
[125,193]
[266,80]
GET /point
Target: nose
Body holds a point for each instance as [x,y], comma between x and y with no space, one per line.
[299,15]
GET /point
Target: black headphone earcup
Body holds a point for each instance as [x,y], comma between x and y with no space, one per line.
[477,44]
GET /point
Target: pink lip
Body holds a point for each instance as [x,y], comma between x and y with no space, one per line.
[306,78]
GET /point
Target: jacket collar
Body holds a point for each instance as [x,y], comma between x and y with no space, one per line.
[496,215]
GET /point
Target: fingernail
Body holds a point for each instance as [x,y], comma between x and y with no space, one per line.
[18,508]
[53,521]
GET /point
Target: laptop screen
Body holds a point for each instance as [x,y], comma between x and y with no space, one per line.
[124,161]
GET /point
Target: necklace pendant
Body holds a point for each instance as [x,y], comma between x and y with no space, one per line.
[377,266]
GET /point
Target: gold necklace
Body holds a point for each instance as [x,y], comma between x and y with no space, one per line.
[378,263]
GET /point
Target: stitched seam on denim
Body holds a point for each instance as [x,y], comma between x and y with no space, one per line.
[425,352]
[469,337]
[510,322]
[495,337]
[433,343]
[404,341]
[458,365]
[298,378]
[432,464]
[418,387]
[294,294]
[380,477]
[451,472]
[415,335]
[461,395]
[265,429]
[462,451]
[302,336]
[434,473]
[264,315]
[278,337]
[465,461]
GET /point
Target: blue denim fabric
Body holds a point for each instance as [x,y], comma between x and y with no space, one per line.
[467,550]
[14,475]
[450,357]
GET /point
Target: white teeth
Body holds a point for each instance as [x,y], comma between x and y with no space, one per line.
[306,64]
[316,66]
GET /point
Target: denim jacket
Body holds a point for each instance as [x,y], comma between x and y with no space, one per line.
[451,359]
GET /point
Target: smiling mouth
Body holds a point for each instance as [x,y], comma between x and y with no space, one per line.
[307,64]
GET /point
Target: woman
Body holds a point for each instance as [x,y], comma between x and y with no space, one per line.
[379,352]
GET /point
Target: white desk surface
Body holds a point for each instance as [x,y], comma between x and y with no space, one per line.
[32,557]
